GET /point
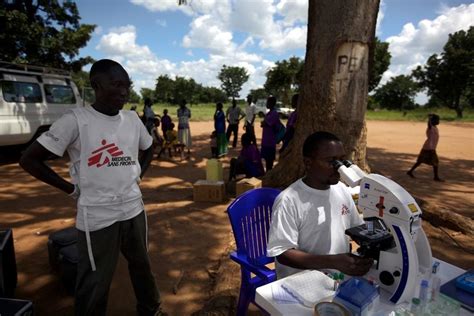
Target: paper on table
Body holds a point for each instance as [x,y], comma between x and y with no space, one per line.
[309,288]
[281,296]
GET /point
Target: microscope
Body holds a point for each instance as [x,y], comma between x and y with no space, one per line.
[392,236]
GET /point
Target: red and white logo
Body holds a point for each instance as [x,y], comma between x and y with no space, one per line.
[104,155]
[345,210]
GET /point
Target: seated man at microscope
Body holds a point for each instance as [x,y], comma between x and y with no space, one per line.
[311,215]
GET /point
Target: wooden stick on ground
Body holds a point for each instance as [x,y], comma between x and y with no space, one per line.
[178,282]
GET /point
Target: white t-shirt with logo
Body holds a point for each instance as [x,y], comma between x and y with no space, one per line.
[64,136]
[310,220]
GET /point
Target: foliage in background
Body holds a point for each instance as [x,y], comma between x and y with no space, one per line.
[397,94]
[259,93]
[44,33]
[133,96]
[419,114]
[232,78]
[168,90]
[284,79]
[380,63]
[81,79]
[449,77]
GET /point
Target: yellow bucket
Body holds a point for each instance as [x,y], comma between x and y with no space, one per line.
[214,171]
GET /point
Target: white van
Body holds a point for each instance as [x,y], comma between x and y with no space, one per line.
[31,99]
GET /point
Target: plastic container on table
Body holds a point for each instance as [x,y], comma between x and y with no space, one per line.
[358,295]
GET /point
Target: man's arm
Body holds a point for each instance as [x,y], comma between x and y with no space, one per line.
[346,263]
[33,162]
[145,159]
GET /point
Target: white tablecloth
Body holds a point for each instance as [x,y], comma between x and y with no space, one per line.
[264,297]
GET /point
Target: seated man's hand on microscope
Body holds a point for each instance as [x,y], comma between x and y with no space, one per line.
[351,264]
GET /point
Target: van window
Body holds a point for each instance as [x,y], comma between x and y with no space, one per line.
[15,91]
[59,94]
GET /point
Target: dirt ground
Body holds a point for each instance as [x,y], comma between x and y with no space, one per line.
[192,239]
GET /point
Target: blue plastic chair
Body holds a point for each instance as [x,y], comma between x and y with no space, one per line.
[250,215]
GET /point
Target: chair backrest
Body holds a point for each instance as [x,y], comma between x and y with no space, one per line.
[250,215]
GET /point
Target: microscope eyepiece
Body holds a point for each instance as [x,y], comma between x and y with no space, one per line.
[347,163]
[337,164]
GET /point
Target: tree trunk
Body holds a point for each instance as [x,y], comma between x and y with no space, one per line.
[458,107]
[334,91]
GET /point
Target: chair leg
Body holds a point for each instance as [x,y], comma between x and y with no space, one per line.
[244,301]
[246,294]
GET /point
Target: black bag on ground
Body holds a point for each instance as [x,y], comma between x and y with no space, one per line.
[11,307]
[68,259]
[8,274]
[59,240]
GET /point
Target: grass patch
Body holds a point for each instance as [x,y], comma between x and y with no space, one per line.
[205,112]
[419,114]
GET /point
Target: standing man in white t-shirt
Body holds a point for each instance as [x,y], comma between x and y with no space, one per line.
[233,115]
[103,143]
[250,113]
[311,215]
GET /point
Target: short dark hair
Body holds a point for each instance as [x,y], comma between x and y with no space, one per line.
[246,139]
[271,101]
[433,119]
[314,141]
[102,66]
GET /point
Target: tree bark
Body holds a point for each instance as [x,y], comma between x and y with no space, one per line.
[334,91]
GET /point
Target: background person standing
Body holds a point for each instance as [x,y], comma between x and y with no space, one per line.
[250,113]
[148,115]
[269,126]
[234,115]
[219,127]
[165,122]
[184,132]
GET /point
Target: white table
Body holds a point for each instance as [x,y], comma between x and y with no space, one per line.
[264,297]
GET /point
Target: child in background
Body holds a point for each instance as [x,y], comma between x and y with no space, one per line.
[249,161]
[428,151]
[157,139]
[214,144]
[171,141]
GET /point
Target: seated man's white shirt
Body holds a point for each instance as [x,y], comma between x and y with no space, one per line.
[310,220]
[64,136]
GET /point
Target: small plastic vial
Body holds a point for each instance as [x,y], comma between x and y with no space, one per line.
[424,286]
[435,285]
[415,306]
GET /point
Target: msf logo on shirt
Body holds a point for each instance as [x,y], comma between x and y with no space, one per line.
[345,210]
[109,155]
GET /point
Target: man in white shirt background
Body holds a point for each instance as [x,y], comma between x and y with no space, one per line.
[250,113]
[103,144]
[310,216]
